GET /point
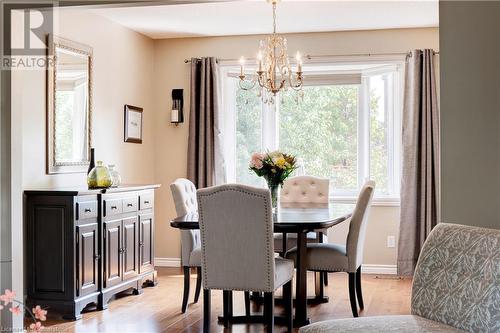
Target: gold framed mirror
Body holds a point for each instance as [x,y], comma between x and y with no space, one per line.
[69,106]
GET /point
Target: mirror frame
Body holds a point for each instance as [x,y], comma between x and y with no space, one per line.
[54,167]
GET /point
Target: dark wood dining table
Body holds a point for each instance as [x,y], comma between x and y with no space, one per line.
[296,219]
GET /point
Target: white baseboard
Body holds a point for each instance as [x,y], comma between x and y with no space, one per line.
[367,269]
[379,269]
[168,262]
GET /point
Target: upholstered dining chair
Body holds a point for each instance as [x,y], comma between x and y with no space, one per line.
[236,229]
[339,258]
[184,194]
[307,190]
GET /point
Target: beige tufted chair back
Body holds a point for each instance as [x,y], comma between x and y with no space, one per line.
[305,189]
[236,227]
[184,194]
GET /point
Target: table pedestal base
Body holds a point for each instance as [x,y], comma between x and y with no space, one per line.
[312,300]
[259,319]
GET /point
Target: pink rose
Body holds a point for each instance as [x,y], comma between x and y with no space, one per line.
[256,161]
[40,313]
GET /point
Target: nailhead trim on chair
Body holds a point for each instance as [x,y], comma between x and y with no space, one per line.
[226,188]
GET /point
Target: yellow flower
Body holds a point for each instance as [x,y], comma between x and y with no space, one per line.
[281,162]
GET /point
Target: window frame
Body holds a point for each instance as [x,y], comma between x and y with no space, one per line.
[392,108]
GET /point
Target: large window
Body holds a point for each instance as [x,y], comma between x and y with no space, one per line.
[346,127]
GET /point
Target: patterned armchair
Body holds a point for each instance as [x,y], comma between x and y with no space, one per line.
[456,287]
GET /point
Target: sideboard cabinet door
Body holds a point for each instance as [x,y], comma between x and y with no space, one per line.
[146,244]
[87,259]
[130,247]
[112,235]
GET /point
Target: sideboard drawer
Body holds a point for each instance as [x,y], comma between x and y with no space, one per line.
[86,209]
[146,201]
[113,206]
[130,204]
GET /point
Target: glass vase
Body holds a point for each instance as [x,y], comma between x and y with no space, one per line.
[274,189]
[99,177]
[116,179]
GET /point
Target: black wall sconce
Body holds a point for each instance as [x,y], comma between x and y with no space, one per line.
[176,115]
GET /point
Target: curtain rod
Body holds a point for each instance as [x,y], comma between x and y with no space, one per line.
[310,57]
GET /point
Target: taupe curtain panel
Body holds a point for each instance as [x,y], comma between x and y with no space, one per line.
[420,174]
[203,122]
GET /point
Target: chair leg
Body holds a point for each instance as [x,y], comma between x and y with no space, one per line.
[198,284]
[227,298]
[319,238]
[247,304]
[284,245]
[359,294]
[185,298]
[206,310]
[269,311]
[287,297]
[319,288]
[352,293]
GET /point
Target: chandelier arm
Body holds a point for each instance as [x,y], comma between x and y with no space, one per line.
[297,85]
[296,88]
[261,81]
[253,82]
[282,84]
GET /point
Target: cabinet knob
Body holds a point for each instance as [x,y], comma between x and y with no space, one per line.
[113,207]
[97,257]
[141,243]
[129,205]
[146,201]
[87,210]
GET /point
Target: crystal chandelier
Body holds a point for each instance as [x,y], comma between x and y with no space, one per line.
[274,72]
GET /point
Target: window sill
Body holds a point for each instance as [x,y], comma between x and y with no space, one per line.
[379,202]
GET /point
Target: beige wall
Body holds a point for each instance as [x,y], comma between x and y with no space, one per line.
[123,71]
[470,112]
[132,69]
[171,141]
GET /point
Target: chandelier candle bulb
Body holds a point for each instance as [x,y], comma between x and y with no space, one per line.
[242,63]
[299,62]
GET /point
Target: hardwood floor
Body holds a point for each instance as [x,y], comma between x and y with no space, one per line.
[158,309]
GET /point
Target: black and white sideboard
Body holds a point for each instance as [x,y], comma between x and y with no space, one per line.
[84,246]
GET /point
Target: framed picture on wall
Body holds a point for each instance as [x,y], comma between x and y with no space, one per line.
[133,124]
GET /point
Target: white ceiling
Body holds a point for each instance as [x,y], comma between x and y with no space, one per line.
[255,17]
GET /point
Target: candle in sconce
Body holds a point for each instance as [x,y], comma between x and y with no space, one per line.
[174,116]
